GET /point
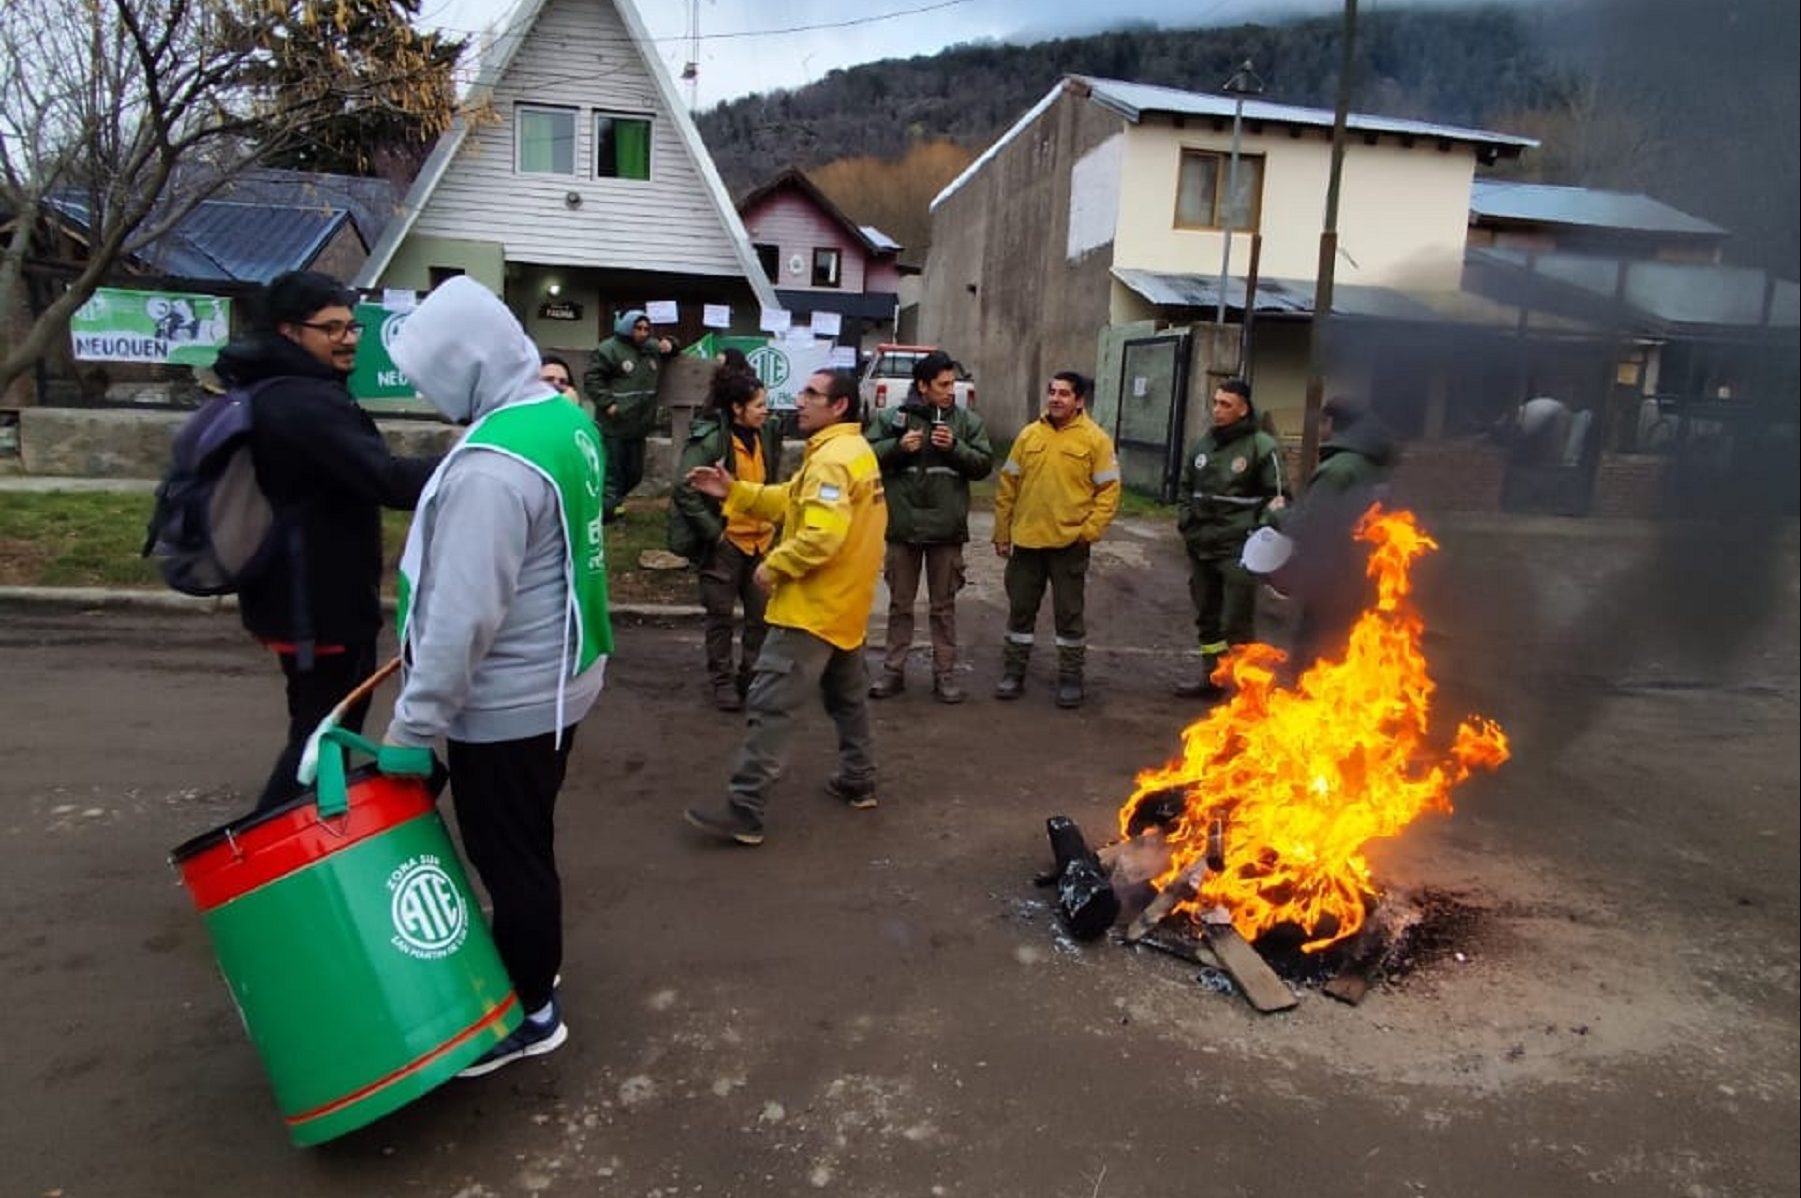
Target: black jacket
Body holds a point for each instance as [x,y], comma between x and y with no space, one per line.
[328,473]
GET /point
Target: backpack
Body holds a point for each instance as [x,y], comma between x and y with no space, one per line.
[213,529]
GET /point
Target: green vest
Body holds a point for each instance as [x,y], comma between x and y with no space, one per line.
[557,440]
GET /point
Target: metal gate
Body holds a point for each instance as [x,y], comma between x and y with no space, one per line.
[1153,390]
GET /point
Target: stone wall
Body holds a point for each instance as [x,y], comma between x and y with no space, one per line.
[110,443]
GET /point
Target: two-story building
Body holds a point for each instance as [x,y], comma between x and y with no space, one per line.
[576,187]
[1091,236]
[821,260]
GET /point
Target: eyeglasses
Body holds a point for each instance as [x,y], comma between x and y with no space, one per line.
[334,330]
[815,392]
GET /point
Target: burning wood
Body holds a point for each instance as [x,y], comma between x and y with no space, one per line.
[1306,777]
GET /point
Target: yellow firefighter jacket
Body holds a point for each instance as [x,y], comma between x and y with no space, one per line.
[1059,486]
[830,553]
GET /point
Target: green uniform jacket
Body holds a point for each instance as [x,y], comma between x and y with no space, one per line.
[621,373]
[928,491]
[1228,480]
[695,520]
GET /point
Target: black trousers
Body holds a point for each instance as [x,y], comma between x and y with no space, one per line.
[505,794]
[625,469]
[311,694]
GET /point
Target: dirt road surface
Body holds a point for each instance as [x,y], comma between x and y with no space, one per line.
[879,1003]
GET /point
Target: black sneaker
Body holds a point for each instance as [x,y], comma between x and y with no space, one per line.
[859,795]
[730,823]
[529,1039]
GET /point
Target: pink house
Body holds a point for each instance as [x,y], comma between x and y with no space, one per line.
[822,261]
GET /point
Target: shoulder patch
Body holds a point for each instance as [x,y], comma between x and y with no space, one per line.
[627,366]
[1238,465]
[830,493]
[1200,461]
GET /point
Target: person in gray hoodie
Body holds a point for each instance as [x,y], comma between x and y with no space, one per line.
[503,620]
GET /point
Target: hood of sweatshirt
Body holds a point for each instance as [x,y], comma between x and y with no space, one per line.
[1369,437]
[465,352]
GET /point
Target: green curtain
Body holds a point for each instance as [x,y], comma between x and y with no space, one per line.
[631,149]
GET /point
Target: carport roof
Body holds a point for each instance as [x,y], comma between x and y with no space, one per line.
[1655,296]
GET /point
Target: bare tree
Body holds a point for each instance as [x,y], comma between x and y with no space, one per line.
[129,113]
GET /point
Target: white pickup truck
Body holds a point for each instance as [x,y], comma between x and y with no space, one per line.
[890,373]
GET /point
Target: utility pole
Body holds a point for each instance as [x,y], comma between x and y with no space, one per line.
[1328,251]
[1244,81]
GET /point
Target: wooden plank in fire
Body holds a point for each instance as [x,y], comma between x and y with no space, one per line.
[1184,887]
[1262,988]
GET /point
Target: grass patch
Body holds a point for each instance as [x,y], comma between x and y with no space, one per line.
[93,538]
[75,539]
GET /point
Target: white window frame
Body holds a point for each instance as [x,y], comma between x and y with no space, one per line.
[575,136]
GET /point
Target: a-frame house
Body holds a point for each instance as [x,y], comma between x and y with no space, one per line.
[575,186]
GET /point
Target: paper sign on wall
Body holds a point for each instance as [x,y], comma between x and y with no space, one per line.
[844,357]
[827,324]
[716,316]
[1141,386]
[399,299]
[775,320]
[661,312]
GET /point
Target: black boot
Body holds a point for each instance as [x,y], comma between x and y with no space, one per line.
[1070,660]
[1014,656]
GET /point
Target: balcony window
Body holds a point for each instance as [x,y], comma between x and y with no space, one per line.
[544,140]
[621,146]
[1201,201]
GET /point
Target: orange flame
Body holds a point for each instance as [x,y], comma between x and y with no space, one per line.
[1303,779]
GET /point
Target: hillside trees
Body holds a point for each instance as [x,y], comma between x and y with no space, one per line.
[895,195]
[119,116]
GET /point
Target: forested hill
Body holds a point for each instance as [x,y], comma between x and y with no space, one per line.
[1457,67]
[1694,103]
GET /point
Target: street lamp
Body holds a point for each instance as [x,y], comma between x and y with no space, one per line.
[1243,82]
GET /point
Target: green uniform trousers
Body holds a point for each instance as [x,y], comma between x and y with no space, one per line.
[791,663]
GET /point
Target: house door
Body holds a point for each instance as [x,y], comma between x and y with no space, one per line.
[1153,386]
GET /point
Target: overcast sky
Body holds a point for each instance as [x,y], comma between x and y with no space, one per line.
[798,41]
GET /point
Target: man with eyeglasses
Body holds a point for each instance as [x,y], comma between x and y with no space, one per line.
[327,472]
[1058,492]
[820,577]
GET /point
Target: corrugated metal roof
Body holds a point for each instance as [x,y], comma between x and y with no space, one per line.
[1294,297]
[1542,203]
[1133,100]
[226,242]
[250,243]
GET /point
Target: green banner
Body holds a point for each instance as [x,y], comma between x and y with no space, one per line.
[376,376]
[784,367]
[171,327]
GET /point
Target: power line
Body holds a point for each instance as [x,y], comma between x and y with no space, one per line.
[515,26]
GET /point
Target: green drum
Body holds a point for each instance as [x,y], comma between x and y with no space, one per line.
[348,936]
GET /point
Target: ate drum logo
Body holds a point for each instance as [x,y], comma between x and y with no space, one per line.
[430,917]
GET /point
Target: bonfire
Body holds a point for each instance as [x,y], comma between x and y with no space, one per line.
[1282,788]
